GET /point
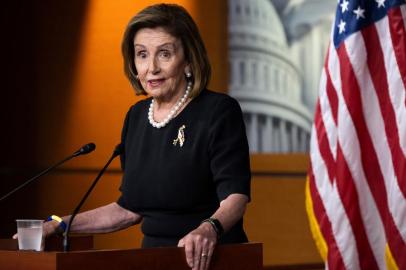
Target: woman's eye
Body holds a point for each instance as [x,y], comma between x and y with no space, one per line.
[141,54]
[165,54]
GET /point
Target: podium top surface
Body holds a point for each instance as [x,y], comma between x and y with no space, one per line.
[226,257]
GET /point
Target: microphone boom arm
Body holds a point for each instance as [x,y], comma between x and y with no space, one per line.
[66,245]
[82,151]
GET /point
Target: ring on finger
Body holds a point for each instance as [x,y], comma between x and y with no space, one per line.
[204,255]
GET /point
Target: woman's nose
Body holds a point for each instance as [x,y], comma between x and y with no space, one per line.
[154,66]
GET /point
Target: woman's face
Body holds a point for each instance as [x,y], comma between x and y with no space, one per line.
[160,63]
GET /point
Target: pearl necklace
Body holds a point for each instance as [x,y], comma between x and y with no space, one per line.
[173,111]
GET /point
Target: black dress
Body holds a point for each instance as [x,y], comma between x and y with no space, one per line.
[175,186]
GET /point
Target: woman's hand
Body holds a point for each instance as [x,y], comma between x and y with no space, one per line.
[199,246]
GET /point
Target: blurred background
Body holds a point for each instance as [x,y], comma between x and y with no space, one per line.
[63,86]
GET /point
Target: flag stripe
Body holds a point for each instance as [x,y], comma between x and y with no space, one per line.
[329,108]
[380,68]
[349,196]
[398,76]
[397,20]
[392,152]
[397,87]
[341,227]
[357,145]
[323,142]
[350,146]
[348,189]
[375,124]
[331,92]
[332,96]
[334,258]
[373,174]
[349,137]
[358,142]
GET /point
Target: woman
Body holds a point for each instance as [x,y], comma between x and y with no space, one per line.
[185,158]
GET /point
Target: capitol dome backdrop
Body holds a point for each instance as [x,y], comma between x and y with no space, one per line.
[276,53]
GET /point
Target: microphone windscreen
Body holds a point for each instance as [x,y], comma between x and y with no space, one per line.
[86,149]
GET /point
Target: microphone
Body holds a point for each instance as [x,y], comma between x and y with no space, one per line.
[117,151]
[82,151]
[86,149]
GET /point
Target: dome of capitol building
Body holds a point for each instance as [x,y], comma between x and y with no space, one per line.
[266,77]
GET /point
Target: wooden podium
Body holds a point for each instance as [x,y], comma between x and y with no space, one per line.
[226,257]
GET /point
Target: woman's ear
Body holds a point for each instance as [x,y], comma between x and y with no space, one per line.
[188,71]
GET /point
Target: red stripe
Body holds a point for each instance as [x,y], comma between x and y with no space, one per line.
[345,182]
[349,197]
[330,90]
[398,34]
[332,97]
[323,143]
[351,93]
[334,259]
[376,66]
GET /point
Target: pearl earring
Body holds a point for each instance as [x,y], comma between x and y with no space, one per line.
[189,74]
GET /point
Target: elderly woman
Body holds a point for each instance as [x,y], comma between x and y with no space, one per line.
[185,159]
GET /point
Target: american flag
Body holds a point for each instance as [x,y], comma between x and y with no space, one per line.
[356,189]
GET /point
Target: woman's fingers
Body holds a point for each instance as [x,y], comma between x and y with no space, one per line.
[199,246]
[204,260]
[181,243]
[189,252]
[206,256]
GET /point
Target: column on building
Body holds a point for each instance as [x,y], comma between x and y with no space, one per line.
[276,142]
[294,139]
[253,135]
[307,147]
[267,135]
[283,136]
[242,71]
[302,141]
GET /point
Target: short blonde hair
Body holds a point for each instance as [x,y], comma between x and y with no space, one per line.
[177,22]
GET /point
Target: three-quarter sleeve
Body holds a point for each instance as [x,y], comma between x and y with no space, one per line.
[123,139]
[121,200]
[228,150]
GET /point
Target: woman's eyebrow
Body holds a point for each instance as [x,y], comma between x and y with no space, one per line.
[170,45]
[139,45]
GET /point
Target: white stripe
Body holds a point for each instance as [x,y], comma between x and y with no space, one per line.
[349,254]
[375,124]
[396,86]
[335,211]
[327,115]
[347,138]
[397,201]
